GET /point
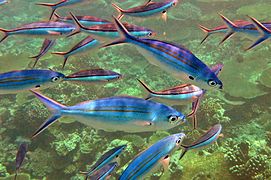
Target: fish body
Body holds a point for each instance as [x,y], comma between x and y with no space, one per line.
[110,30]
[2,2]
[84,20]
[149,9]
[175,59]
[93,75]
[82,46]
[148,159]
[109,157]
[22,80]
[117,113]
[104,173]
[46,29]
[62,3]
[46,46]
[20,157]
[208,138]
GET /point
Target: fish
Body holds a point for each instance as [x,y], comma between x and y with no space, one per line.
[174,59]
[16,81]
[84,20]
[150,8]
[84,45]
[48,29]
[46,46]
[157,154]
[117,113]
[206,139]
[93,75]
[59,4]
[104,173]
[2,2]
[109,157]
[109,30]
[232,27]
[20,157]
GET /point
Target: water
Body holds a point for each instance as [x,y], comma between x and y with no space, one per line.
[242,107]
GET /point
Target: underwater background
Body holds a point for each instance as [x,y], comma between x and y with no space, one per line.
[243,107]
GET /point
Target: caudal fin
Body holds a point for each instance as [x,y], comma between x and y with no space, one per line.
[264,31]
[231,28]
[207,32]
[53,106]
[79,26]
[125,36]
[147,89]
[183,153]
[120,16]
[64,54]
[5,32]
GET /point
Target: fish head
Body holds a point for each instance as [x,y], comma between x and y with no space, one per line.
[52,78]
[173,141]
[167,118]
[210,81]
[139,31]
[175,2]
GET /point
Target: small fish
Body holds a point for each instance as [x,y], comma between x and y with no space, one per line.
[109,30]
[22,80]
[93,75]
[157,154]
[84,20]
[46,46]
[117,113]
[84,45]
[2,2]
[175,59]
[20,158]
[43,29]
[209,137]
[59,4]
[148,9]
[104,173]
[230,28]
[109,157]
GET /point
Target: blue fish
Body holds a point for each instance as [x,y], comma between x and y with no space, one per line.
[83,46]
[59,4]
[118,113]
[104,173]
[155,155]
[43,29]
[109,30]
[3,2]
[148,9]
[93,75]
[208,138]
[109,157]
[16,81]
[174,59]
[46,46]
[84,20]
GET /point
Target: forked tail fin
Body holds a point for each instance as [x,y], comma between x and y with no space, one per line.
[231,28]
[207,32]
[79,26]
[5,32]
[147,89]
[120,16]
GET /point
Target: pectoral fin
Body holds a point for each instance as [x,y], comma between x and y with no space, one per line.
[165,162]
[54,33]
[164,15]
[143,123]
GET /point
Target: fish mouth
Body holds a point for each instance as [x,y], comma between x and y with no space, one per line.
[221,87]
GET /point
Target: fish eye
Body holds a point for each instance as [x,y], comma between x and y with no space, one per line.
[212,83]
[178,141]
[174,4]
[163,12]
[55,79]
[191,77]
[117,156]
[173,119]
[150,34]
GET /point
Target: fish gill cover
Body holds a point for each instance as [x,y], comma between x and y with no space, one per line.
[242,107]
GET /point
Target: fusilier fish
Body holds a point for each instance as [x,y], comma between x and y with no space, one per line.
[148,9]
[156,155]
[175,59]
[84,20]
[104,173]
[20,157]
[61,3]
[208,138]
[84,45]
[109,157]
[93,76]
[118,113]
[22,80]
[48,29]
[46,46]
[2,2]
[109,30]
